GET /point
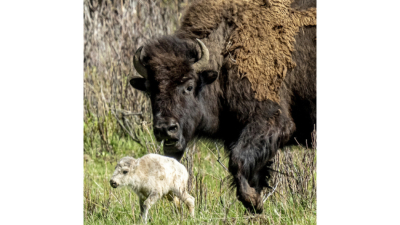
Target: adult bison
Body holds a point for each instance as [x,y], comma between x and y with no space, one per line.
[243,72]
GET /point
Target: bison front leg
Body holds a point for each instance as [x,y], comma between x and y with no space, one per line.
[250,198]
[249,161]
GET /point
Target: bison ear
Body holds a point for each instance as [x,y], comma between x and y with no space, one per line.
[138,83]
[208,76]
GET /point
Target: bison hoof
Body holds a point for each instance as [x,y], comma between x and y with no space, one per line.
[253,208]
[253,203]
[250,198]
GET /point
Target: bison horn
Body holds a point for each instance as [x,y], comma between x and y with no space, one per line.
[202,63]
[138,65]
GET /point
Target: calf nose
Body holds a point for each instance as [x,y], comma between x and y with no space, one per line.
[113,184]
[166,128]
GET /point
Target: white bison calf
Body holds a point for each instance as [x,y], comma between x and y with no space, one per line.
[152,177]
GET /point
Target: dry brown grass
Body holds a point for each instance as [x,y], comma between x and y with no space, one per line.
[112,32]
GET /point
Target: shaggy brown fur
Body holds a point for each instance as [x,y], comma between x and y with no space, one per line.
[218,103]
[262,42]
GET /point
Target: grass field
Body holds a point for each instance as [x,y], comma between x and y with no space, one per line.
[292,202]
[117,118]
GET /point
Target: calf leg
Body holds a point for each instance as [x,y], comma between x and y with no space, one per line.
[185,197]
[145,206]
[141,204]
[172,198]
[189,201]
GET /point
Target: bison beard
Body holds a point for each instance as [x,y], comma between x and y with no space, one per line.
[197,90]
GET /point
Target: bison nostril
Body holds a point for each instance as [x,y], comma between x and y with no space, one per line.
[173,128]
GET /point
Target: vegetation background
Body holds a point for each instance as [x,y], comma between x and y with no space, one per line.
[117,123]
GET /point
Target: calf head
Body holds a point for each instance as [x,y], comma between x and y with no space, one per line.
[122,172]
[173,75]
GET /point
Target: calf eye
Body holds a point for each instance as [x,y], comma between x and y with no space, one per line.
[125,172]
[189,88]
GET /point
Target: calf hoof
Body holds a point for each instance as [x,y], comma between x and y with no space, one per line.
[191,211]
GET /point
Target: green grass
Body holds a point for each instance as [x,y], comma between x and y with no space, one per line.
[110,127]
[293,202]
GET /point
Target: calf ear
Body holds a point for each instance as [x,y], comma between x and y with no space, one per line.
[134,163]
[138,83]
[208,76]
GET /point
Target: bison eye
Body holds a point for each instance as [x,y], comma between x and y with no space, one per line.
[189,88]
[125,172]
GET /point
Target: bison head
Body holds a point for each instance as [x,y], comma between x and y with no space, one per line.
[174,75]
